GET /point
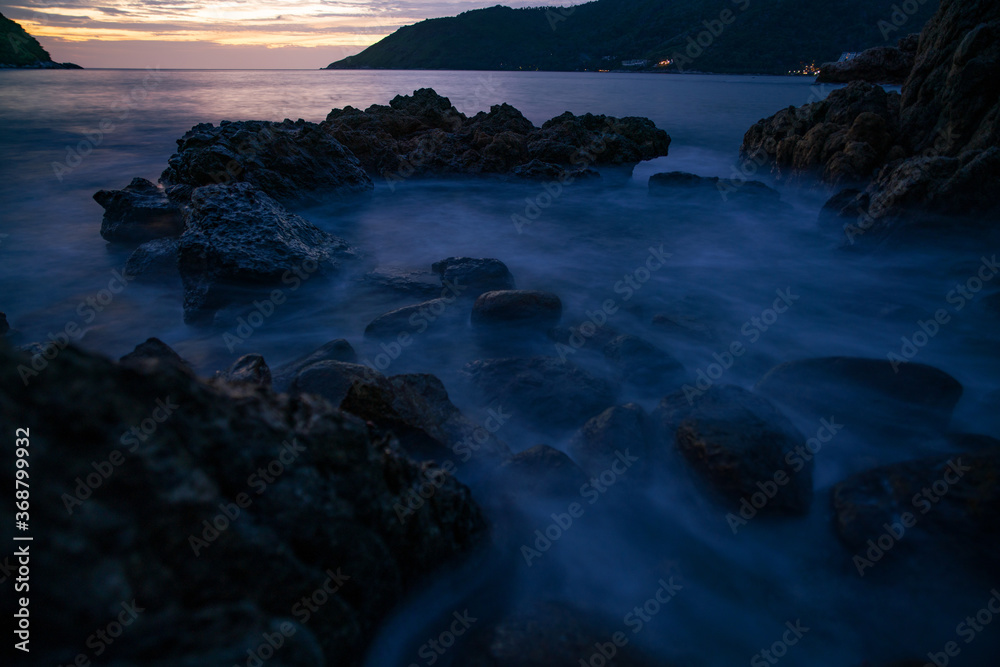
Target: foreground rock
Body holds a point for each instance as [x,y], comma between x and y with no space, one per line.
[250,370]
[945,506]
[239,236]
[335,350]
[287,160]
[549,393]
[921,158]
[139,212]
[882,64]
[870,397]
[424,134]
[155,533]
[331,379]
[742,444]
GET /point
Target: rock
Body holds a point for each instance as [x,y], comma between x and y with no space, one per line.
[443,313]
[536,170]
[618,429]
[424,134]
[153,259]
[871,397]
[474,276]
[137,213]
[679,182]
[546,634]
[548,392]
[288,161]
[641,363]
[417,410]
[953,500]
[335,350]
[740,442]
[517,308]
[881,64]
[331,379]
[542,471]
[327,520]
[4,325]
[250,370]
[154,355]
[419,284]
[237,235]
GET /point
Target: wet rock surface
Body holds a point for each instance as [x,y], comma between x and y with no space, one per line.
[325,521]
[153,260]
[335,350]
[137,213]
[517,309]
[740,442]
[881,64]
[618,429]
[474,275]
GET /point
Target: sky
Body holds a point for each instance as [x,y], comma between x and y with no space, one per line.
[271,34]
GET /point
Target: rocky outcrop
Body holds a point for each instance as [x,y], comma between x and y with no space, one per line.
[945,506]
[423,134]
[183,525]
[741,443]
[237,235]
[139,212]
[881,64]
[923,161]
[287,160]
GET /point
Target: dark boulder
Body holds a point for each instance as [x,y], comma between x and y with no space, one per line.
[328,520]
[335,350]
[407,282]
[139,212]
[873,398]
[153,259]
[441,313]
[474,275]
[331,379]
[545,391]
[741,443]
[287,160]
[951,503]
[153,355]
[239,236]
[541,471]
[569,139]
[621,429]
[881,64]
[250,370]
[517,308]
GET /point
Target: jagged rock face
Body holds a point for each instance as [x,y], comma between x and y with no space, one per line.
[882,64]
[330,504]
[238,235]
[139,212]
[942,141]
[424,133]
[287,160]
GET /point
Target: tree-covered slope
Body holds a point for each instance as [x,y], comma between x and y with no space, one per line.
[770,36]
[19,49]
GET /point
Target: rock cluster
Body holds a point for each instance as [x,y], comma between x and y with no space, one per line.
[881,64]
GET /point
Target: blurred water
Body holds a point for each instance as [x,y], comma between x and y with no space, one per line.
[727,260]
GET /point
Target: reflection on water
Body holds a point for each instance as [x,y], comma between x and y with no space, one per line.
[727,261]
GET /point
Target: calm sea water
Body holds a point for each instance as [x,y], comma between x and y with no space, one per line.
[65,135]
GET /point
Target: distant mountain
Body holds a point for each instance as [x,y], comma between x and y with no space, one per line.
[734,36]
[19,49]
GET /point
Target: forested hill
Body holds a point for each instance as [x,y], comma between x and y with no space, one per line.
[19,49]
[737,36]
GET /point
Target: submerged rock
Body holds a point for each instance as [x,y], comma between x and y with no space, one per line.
[679,182]
[239,236]
[875,398]
[517,308]
[616,430]
[153,259]
[335,350]
[287,160]
[139,212]
[943,506]
[473,275]
[185,525]
[639,362]
[409,321]
[542,471]
[741,443]
[550,393]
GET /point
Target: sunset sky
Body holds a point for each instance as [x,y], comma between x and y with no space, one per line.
[225,34]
